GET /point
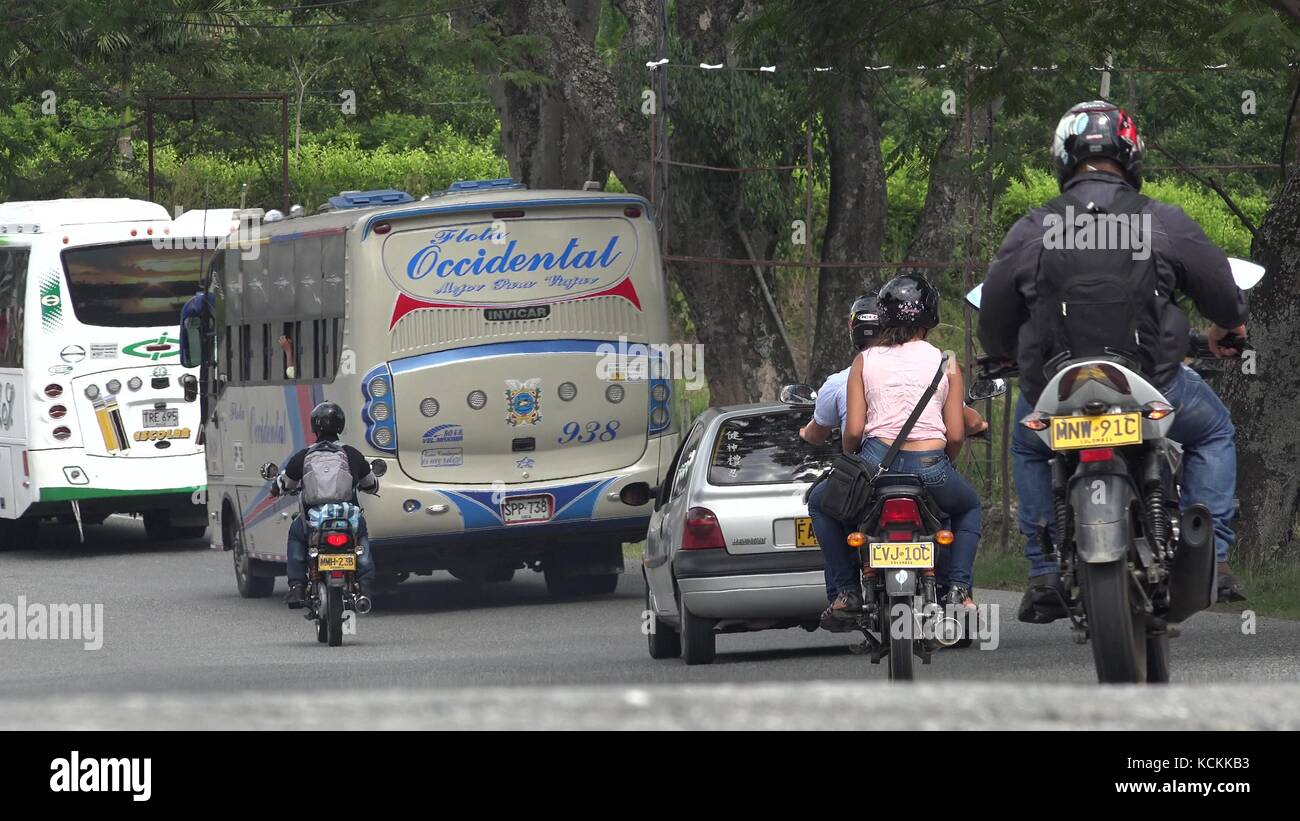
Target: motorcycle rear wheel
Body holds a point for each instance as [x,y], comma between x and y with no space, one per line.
[903,622]
[1118,633]
[334,616]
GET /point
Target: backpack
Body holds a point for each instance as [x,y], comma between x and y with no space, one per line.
[1094,301]
[326,476]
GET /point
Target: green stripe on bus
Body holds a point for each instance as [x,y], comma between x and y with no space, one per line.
[67,494]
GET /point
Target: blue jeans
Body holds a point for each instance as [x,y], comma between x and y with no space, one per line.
[1201,425]
[298,553]
[954,495]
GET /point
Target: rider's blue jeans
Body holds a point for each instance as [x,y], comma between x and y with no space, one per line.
[1201,425]
[959,501]
[298,553]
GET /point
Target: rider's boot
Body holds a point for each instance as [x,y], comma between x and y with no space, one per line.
[1230,588]
[1043,601]
[843,612]
[297,595]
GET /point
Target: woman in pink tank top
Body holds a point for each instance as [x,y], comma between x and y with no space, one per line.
[884,386]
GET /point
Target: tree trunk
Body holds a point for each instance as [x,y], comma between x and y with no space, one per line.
[855,225]
[1262,402]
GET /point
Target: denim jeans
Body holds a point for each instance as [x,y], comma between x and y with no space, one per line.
[954,495]
[298,553]
[1201,425]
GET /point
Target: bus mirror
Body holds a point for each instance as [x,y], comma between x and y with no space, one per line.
[269,471]
[378,467]
[635,494]
[191,343]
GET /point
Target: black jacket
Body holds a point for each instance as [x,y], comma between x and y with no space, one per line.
[1187,262]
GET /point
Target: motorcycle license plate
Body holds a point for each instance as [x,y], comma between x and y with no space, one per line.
[902,554]
[803,532]
[1074,432]
[336,561]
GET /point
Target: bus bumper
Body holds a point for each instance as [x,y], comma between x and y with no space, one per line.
[112,484]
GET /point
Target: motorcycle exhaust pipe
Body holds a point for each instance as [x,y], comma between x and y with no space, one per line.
[362,604]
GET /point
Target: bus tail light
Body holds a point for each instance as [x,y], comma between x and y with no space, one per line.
[661,394]
[54,390]
[62,433]
[378,411]
[58,411]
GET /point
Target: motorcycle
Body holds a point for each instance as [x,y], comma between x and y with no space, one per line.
[332,555]
[1132,563]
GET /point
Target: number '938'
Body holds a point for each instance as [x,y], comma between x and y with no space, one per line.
[583,433]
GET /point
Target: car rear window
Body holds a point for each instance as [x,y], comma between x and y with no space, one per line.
[765,448]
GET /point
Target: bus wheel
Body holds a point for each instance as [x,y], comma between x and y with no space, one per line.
[17,533]
[250,586]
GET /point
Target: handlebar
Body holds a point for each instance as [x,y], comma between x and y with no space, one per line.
[988,367]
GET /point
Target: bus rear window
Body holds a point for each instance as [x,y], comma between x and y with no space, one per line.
[766,449]
[128,285]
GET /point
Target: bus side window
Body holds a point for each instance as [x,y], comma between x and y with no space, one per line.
[267,347]
[13,280]
[231,374]
[245,353]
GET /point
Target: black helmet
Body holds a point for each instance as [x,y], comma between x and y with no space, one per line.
[864,321]
[1097,130]
[327,419]
[908,302]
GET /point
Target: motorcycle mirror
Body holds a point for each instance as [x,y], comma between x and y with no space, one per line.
[1246,274]
[973,298]
[378,467]
[798,394]
[269,471]
[983,389]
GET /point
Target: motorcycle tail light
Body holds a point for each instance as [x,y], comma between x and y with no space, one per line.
[1097,455]
[336,574]
[857,539]
[1036,421]
[944,537]
[336,539]
[1155,411]
[900,511]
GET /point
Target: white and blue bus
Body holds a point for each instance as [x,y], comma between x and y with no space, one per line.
[467,336]
[96,414]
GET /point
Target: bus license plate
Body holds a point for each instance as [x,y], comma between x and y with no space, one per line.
[803,533]
[165,418]
[1074,432]
[902,554]
[523,509]
[336,561]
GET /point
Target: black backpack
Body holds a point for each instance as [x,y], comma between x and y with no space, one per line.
[1098,302]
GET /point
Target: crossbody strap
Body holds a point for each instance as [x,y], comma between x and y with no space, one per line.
[888,461]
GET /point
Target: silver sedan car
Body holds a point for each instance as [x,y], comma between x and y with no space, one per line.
[730,547]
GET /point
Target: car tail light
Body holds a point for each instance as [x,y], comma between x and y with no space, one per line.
[54,390]
[702,531]
[1097,455]
[336,539]
[58,411]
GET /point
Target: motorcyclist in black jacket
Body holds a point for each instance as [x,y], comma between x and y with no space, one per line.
[1098,158]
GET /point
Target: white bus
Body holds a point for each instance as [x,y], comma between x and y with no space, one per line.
[464,336]
[96,414]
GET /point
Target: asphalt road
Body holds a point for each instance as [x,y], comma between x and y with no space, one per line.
[180,648]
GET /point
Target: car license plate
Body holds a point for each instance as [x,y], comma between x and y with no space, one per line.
[336,561]
[803,532]
[902,554]
[1073,432]
[522,509]
[165,418]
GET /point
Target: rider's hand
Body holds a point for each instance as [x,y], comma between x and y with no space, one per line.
[1216,333]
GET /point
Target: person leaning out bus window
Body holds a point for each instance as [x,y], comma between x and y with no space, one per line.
[286,345]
